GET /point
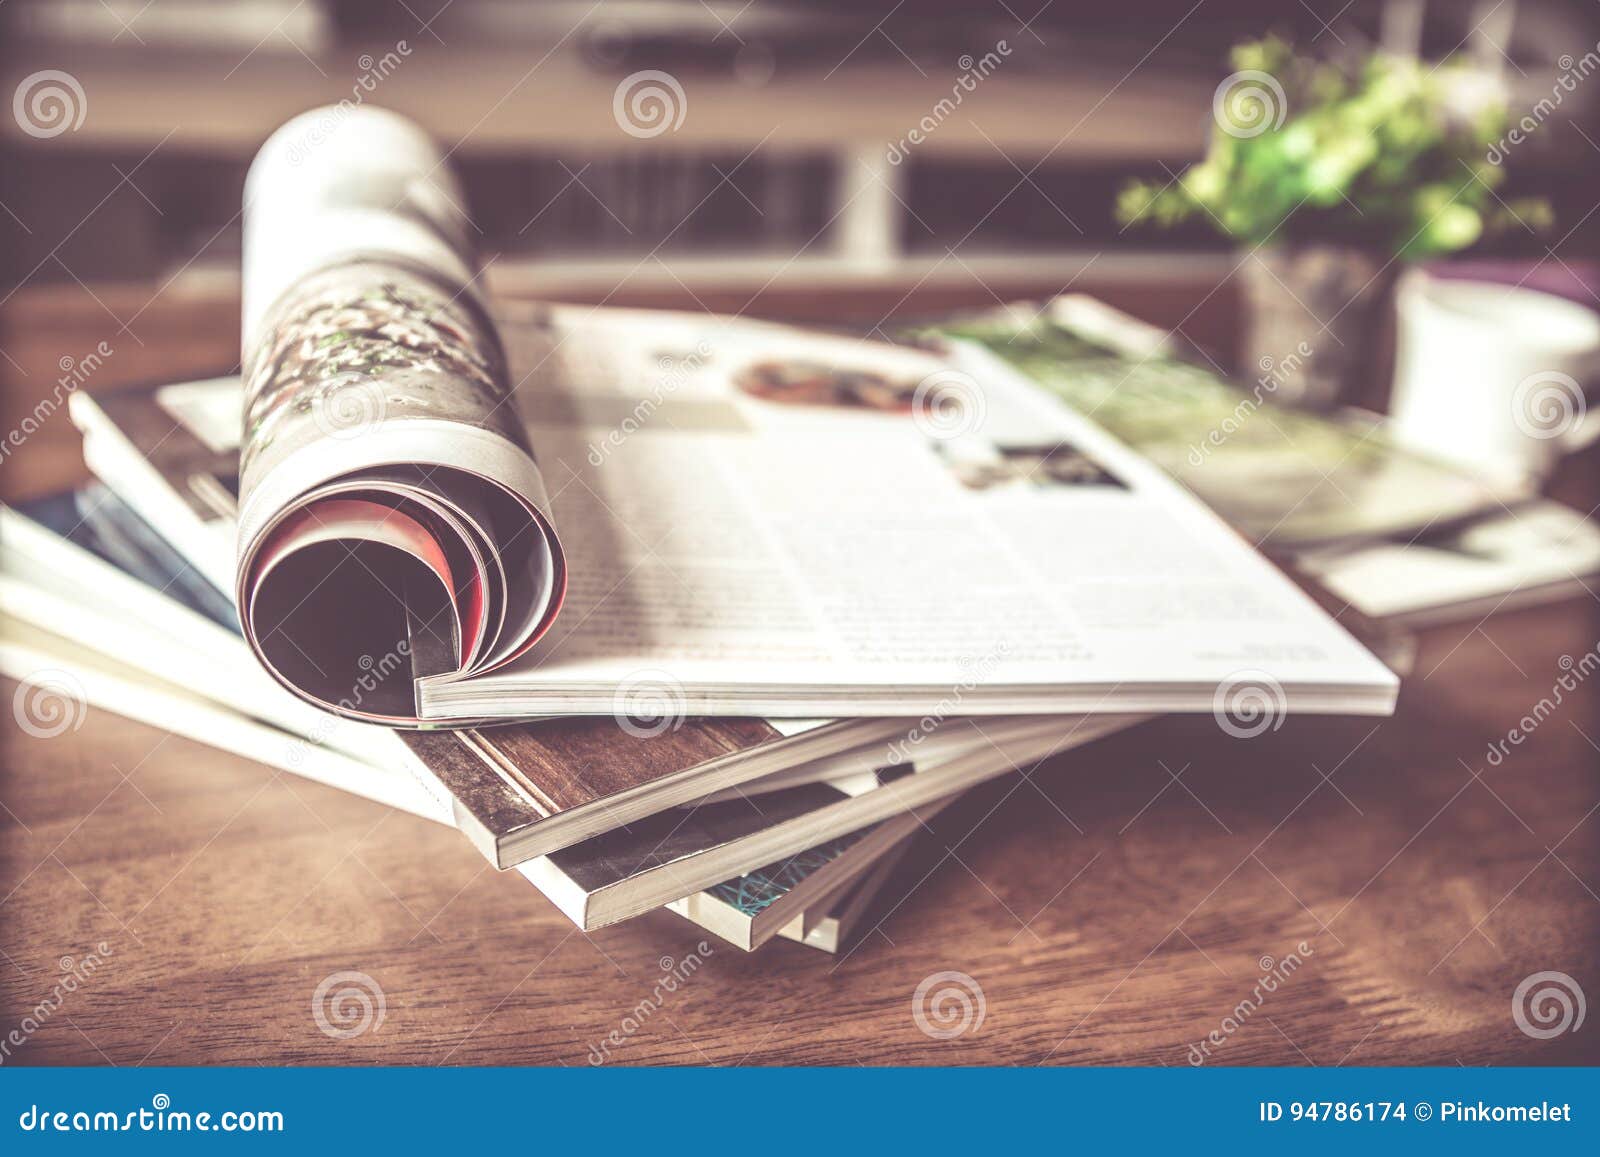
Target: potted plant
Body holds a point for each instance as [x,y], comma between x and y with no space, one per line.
[1330,175]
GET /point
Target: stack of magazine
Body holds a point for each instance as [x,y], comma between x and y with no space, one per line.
[656,609]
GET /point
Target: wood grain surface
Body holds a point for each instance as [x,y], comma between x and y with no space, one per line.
[571,763]
[1115,906]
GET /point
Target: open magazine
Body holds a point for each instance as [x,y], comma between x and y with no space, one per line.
[1286,477]
[751,519]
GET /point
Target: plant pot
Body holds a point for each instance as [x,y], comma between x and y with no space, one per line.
[1312,315]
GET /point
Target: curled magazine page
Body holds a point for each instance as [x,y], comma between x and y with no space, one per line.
[393,522]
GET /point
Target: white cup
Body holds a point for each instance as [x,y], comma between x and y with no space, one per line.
[1492,376]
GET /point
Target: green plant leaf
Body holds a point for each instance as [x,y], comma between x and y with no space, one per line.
[1382,151]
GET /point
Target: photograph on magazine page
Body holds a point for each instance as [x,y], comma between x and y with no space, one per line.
[915,536]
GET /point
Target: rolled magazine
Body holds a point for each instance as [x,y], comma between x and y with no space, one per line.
[393,523]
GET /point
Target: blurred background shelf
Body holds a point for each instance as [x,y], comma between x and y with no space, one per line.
[793,112]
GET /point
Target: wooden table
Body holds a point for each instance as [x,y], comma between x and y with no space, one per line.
[1116,906]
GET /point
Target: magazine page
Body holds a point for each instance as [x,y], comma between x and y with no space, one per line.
[390,510]
[760,518]
[1286,477]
